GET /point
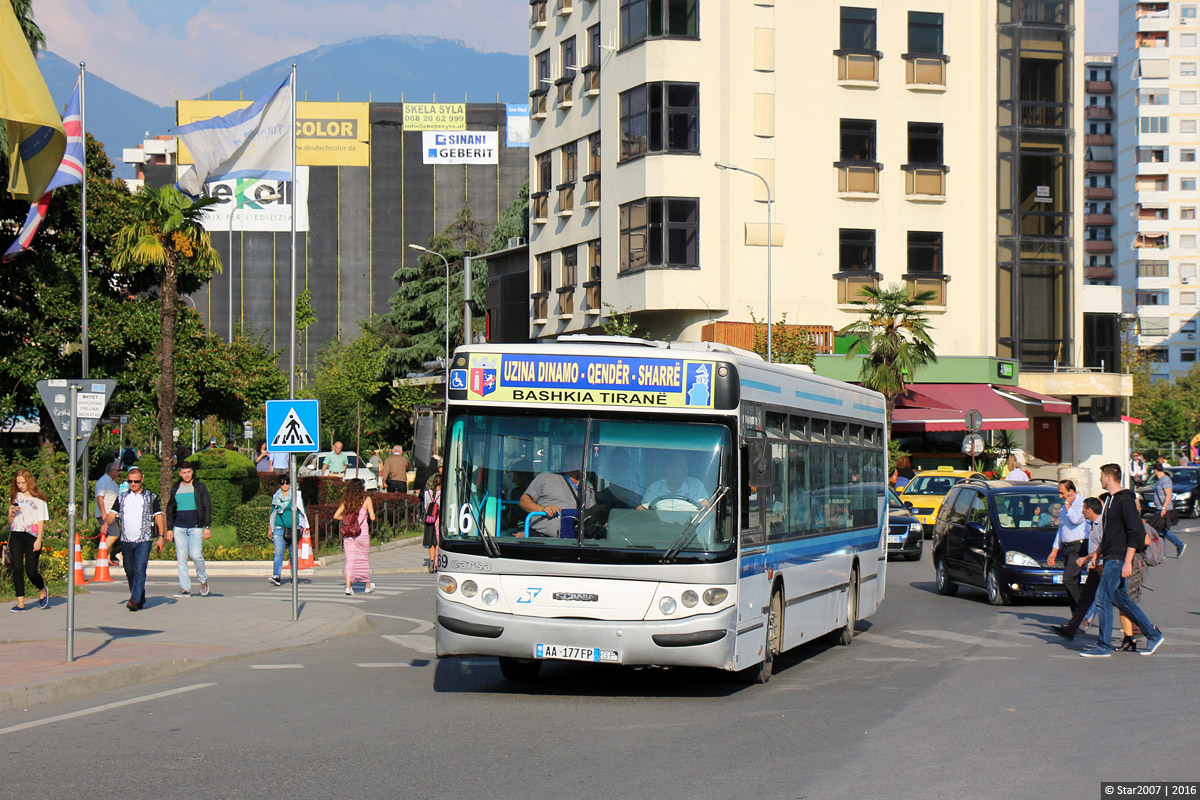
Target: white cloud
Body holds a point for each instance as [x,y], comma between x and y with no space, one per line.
[229,38]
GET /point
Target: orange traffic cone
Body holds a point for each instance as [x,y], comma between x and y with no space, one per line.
[101,573]
[304,558]
[80,580]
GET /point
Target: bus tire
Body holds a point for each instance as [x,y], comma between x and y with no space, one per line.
[761,672]
[845,634]
[519,669]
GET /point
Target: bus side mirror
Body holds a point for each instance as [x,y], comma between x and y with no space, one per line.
[759,462]
[423,441]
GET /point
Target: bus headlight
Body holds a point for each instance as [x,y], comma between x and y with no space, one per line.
[447,584]
[690,599]
[714,597]
[490,596]
[667,605]
[469,589]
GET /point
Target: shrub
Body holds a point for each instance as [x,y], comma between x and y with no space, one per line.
[252,519]
[230,478]
[53,566]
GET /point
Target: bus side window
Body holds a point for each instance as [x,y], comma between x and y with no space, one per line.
[752,494]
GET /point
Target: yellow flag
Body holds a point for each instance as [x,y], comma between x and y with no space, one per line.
[36,140]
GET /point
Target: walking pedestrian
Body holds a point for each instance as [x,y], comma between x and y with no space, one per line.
[27,518]
[1138,470]
[433,517]
[262,459]
[1092,509]
[1164,494]
[1121,538]
[1071,536]
[141,521]
[394,475]
[189,523]
[280,525]
[107,490]
[353,512]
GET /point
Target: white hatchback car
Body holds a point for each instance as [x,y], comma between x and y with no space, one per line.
[315,461]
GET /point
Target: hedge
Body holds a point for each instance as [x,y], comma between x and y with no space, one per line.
[252,519]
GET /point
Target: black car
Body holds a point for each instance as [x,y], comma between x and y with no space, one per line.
[905,535]
[996,535]
[1183,491]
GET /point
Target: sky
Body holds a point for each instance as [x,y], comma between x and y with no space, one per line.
[167,49]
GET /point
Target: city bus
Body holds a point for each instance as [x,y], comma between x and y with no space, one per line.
[618,501]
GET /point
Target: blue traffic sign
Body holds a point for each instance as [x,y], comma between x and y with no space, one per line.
[294,426]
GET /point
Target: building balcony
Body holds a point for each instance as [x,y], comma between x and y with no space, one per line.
[928,282]
[1098,246]
[1098,138]
[1156,9]
[849,284]
[564,7]
[566,199]
[566,302]
[1098,166]
[858,67]
[1099,193]
[1097,219]
[591,297]
[1098,112]
[566,91]
[925,183]
[743,334]
[537,14]
[539,204]
[1145,213]
[537,104]
[1156,182]
[591,80]
[1153,39]
[1150,241]
[538,302]
[1099,87]
[591,190]
[925,72]
[858,179]
[1099,273]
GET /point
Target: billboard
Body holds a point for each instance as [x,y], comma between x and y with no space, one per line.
[467,147]
[327,134]
[435,116]
[517,124]
[257,205]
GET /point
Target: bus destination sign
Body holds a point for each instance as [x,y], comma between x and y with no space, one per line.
[580,380]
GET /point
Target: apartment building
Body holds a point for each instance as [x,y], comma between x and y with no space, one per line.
[1099,160]
[1157,230]
[926,142]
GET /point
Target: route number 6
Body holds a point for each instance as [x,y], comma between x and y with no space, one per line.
[466,521]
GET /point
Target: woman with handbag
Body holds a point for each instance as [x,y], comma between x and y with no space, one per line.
[27,517]
[281,524]
[433,515]
[356,508]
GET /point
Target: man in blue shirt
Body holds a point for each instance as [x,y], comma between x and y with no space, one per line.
[1072,533]
[1164,493]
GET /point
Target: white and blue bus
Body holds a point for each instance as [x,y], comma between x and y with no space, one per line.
[626,502]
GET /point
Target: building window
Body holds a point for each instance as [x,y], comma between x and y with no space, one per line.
[1187,98]
[924,251]
[570,266]
[566,54]
[1188,241]
[1187,68]
[1187,154]
[545,181]
[1187,212]
[1188,12]
[856,250]
[544,273]
[570,162]
[1187,270]
[925,33]
[1187,126]
[858,140]
[594,51]
[594,260]
[925,143]
[858,28]
[660,232]
[542,60]
[1187,355]
[1187,40]
[1153,269]
[594,154]
[1154,124]
[651,19]
[660,117]
[1187,184]
[1151,298]
[1187,299]
[1151,98]
[1154,326]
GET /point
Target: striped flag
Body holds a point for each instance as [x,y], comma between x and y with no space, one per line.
[70,172]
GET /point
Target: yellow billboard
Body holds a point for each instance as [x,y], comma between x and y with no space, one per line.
[435,116]
[327,134]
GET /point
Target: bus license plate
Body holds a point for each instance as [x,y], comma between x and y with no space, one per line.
[568,653]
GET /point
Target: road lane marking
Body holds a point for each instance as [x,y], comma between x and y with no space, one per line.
[984,658]
[423,625]
[885,659]
[967,639]
[888,641]
[1181,631]
[106,707]
[384,665]
[413,641]
[276,666]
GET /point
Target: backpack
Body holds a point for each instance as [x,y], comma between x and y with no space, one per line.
[351,525]
[1154,551]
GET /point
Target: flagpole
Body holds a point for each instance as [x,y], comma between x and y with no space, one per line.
[83,264]
[292,362]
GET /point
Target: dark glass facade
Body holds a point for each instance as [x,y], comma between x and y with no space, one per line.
[1034,224]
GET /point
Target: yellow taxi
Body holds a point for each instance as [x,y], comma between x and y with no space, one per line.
[929,488]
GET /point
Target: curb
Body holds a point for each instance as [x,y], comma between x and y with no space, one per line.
[72,686]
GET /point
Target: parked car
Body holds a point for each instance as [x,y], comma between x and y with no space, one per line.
[929,488]
[905,536]
[997,535]
[315,461]
[1183,491]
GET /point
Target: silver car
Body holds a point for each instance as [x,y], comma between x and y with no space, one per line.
[315,461]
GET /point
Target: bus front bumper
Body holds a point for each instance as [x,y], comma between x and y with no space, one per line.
[705,640]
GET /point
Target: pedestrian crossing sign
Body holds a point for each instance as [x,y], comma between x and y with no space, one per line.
[293,426]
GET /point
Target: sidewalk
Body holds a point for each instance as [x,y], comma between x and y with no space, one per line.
[114,647]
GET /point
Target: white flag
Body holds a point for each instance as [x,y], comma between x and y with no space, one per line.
[253,142]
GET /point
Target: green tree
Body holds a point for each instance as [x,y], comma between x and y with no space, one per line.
[413,331]
[514,222]
[618,323]
[790,344]
[165,238]
[348,381]
[893,335]
[1167,422]
[23,9]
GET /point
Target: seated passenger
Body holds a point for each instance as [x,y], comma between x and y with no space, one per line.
[554,492]
[677,485]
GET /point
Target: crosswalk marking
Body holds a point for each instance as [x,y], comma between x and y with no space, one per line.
[276,666]
[967,639]
[888,641]
[384,665]
[1182,631]
[885,659]
[984,658]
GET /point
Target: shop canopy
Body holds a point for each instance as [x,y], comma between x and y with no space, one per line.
[1052,405]
[944,406]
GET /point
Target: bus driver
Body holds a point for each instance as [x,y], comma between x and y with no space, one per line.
[677,486]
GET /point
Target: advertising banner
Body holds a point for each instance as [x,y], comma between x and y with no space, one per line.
[435,116]
[517,124]
[468,147]
[576,380]
[327,134]
[257,205]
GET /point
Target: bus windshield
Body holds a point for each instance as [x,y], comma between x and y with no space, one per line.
[523,484]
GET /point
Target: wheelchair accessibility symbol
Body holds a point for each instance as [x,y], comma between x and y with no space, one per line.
[458,379]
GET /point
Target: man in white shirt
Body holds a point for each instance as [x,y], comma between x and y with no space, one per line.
[680,487]
[1016,471]
[279,462]
[107,490]
[141,520]
[1070,539]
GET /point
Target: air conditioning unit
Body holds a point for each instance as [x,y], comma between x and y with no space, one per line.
[1191,337]
[1186,280]
[516,241]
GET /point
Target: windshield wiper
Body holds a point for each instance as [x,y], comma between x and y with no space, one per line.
[581,495]
[689,532]
[489,543]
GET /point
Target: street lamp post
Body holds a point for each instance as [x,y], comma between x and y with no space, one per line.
[447,263]
[770,240]
[1128,321]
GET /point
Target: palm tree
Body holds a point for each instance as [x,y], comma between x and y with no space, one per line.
[23,9]
[166,235]
[894,337]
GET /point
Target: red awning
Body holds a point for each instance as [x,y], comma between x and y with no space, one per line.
[943,406]
[1053,405]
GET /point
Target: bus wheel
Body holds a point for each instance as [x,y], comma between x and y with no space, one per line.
[845,635]
[761,672]
[519,669]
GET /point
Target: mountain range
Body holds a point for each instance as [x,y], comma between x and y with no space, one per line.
[378,68]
